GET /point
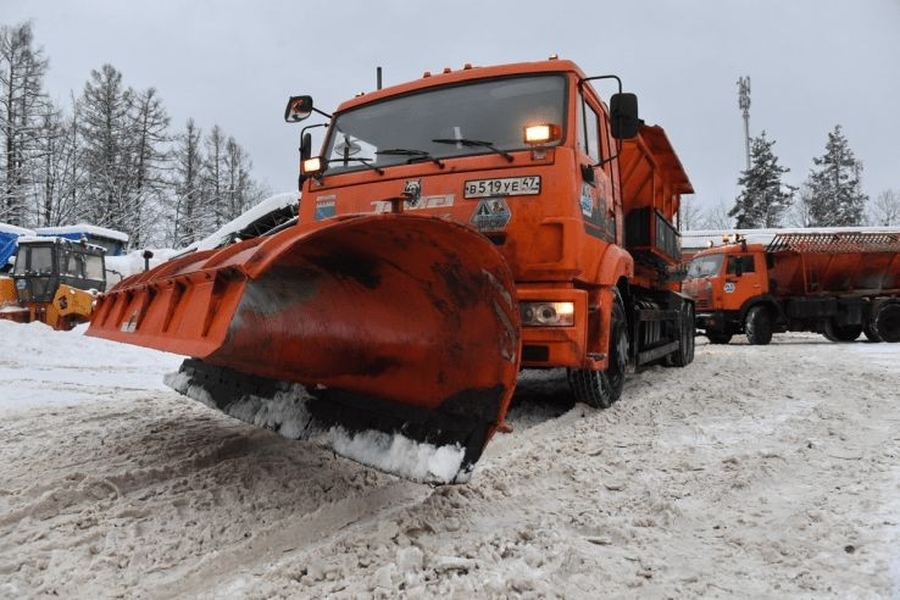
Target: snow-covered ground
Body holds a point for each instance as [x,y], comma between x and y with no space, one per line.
[755,472]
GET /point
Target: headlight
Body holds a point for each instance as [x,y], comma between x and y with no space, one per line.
[547,314]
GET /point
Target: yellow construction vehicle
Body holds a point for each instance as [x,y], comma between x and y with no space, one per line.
[54,280]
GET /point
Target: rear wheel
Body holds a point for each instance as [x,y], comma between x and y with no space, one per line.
[601,388]
[887,322]
[719,337]
[870,331]
[841,333]
[758,326]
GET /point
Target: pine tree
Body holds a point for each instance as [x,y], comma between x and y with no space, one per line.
[22,104]
[762,202]
[836,197]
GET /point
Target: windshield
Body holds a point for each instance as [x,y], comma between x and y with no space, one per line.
[705,266]
[475,118]
[41,262]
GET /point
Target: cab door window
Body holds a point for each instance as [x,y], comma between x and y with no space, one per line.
[738,265]
[588,130]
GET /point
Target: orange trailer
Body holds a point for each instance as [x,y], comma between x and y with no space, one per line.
[452,230]
[838,283]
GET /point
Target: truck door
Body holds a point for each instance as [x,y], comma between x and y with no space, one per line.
[597,198]
[744,279]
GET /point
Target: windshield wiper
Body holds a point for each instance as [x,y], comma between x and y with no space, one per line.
[365,161]
[412,153]
[478,143]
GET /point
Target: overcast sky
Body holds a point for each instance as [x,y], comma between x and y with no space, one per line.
[813,64]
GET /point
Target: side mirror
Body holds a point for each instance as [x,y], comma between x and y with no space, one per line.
[623,116]
[298,108]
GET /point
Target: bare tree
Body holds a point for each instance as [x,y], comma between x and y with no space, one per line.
[147,136]
[187,213]
[22,106]
[801,211]
[214,185]
[105,105]
[717,217]
[689,214]
[884,210]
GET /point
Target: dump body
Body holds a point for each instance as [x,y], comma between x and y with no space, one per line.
[437,251]
[836,283]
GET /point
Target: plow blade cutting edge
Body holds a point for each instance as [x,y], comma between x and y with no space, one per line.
[393,338]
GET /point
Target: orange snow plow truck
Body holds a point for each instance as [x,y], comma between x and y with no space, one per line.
[837,283]
[453,230]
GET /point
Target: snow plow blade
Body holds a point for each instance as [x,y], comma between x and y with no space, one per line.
[394,338]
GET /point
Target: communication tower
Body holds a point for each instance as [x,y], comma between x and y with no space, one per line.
[744,104]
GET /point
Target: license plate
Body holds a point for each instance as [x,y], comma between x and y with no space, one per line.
[529,185]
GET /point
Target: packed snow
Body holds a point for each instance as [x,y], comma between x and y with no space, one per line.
[766,471]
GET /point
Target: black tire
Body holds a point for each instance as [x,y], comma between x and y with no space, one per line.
[887,322]
[685,353]
[718,337]
[758,326]
[601,388]
[871,331]
[841,333]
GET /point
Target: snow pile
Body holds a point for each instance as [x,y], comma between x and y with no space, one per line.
[40,366]
[399,454]
[223,236]
[84,228]
[754,472]
[120,267]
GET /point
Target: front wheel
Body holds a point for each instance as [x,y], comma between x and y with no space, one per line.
[758,326]
[685,353]
[601,388]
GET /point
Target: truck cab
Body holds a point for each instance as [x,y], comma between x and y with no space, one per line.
[726,282]
[577,195]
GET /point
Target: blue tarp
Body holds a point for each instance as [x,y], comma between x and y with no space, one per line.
[8,236]
[7,246]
